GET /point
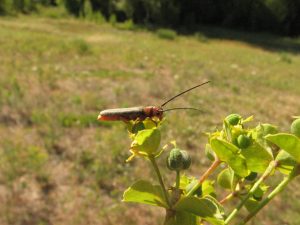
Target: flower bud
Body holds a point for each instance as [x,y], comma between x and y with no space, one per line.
[174,160]
[243,141]
[178,160]
[295,127]
[251,177]
[233,119]
[268,129]
[186,160]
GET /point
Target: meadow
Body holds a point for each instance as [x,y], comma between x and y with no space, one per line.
[59,165]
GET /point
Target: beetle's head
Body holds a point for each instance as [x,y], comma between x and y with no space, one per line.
[157,112]
[154,111]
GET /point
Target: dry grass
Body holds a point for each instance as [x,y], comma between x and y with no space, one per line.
[55,76]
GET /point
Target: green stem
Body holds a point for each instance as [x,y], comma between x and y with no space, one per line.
[177,179]
[275,192]
[252,190]
[161,182]
[209,171]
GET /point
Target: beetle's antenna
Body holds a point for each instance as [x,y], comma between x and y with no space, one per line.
[165,110]
[181,93]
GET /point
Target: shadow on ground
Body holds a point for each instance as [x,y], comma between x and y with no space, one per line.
[270,42]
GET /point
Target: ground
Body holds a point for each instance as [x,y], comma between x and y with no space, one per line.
[59,165]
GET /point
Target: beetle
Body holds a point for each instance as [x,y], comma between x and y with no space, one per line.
[141,112]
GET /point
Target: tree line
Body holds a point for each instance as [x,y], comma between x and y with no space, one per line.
[278,16]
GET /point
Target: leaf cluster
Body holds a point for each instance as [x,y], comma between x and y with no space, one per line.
[248,156]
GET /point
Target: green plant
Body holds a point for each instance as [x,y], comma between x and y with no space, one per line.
[113,19]
[295,127]
[75,7]
[233,119]
[127,25]
[201,37]
[248,157]
[166,34]
[17,161]
[285,58]
[81,46]
[243,141]
[73,120]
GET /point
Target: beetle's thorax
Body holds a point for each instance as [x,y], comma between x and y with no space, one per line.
[153,111]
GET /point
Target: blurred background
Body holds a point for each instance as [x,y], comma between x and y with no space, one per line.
[61,62]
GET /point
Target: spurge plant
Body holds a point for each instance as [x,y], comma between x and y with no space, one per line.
[243,158]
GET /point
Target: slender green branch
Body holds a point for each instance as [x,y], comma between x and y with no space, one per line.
[177,179]
[252,190]
[161,182]
[275,192]
[209,171]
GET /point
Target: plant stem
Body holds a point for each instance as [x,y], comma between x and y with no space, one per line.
[170,217]
[209,171]
[252,190]
[177,179]
[161,182]
[275,192]
[227,197]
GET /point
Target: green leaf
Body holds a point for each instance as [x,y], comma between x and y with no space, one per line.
[147,141]
[207,188]
[225,178]
[247,120]
[285,162]
[191,185]
[229,153]
[185,218]
[260,191]
[150,123]
[261,131]
[257,157]
[135,126]
[182,218]
[185,181]
[218,204]
[202,207]
[146,193]
[209,152]
[226,128]
[251,204]
[287,142]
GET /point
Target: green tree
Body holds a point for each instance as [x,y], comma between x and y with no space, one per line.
[75,7]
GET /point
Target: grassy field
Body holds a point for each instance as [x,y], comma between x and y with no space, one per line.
[61,166]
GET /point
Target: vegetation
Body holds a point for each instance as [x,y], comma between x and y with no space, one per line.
[190,200]
[166,34]
[279,16]
[61,166]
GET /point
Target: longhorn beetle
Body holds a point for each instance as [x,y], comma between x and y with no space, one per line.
[141,112]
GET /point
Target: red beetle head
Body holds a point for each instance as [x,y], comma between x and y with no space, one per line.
[153,111]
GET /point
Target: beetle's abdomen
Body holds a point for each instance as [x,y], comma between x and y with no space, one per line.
[132,113]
